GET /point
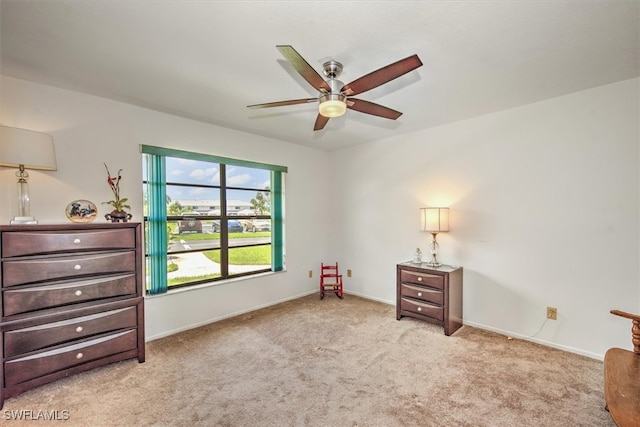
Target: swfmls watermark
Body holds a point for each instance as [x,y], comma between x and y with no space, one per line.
[35,415]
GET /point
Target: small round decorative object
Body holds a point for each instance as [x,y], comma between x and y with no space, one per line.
[81,211]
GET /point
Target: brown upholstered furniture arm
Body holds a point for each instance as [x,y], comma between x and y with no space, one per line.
[622,378]
[625,314]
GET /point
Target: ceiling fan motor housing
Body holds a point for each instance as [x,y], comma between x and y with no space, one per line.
[336,87]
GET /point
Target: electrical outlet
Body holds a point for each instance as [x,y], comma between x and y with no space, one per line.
[348,273]
[310,273]
[552,313]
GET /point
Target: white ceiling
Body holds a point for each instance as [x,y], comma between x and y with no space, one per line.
[208,60]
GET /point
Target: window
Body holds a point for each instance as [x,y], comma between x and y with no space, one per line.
[209,218]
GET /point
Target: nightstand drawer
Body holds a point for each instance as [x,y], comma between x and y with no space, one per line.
[26,299]
[422,308]
[20,243]
[39,364]
[60,267]
[421,293]
[425,279]
[39,337]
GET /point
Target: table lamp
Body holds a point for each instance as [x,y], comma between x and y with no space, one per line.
[434,220]
[25,149]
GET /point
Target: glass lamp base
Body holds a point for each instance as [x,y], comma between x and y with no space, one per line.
[23,220]
[433,248]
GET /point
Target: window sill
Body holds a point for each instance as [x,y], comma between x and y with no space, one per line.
[212,284]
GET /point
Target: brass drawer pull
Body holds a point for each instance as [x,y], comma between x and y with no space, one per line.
[79,356]
[419,294]
[76,241]
[77,267]
[78,292]
[79,329]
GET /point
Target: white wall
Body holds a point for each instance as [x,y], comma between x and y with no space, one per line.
[88,131]
[544,206]
[544,212]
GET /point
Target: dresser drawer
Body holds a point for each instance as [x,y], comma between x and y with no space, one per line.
[39,337]
[36,365]
[17,272]
[425,279]
[26,299]
[19,243]
[421,293]
[423,308]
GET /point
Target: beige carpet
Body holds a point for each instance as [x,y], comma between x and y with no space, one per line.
[330,363]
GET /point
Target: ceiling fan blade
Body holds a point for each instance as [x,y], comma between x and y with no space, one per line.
[303,67]
[382,75]
[320,122]
[283,103]
[372,108]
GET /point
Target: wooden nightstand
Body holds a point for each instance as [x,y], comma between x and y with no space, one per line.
[430,294]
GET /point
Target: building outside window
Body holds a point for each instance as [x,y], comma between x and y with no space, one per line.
[209,218]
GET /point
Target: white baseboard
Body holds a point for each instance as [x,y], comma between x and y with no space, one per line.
[226,316]
[536,340]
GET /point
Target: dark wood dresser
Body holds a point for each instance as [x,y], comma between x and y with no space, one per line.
[430,294]
[72,300]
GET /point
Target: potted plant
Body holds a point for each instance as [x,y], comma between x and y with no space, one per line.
[119,203]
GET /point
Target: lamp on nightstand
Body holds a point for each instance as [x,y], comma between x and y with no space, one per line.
[22,149]
[434,220]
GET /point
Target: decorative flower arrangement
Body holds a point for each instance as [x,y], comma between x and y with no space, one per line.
[114,182]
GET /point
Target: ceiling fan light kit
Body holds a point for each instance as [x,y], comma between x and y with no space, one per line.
[332,105]
[335,97]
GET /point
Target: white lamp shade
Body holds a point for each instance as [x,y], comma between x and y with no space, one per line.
[434,220]
[32,149]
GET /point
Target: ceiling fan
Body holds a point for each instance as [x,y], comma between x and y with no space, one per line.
[335,97]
